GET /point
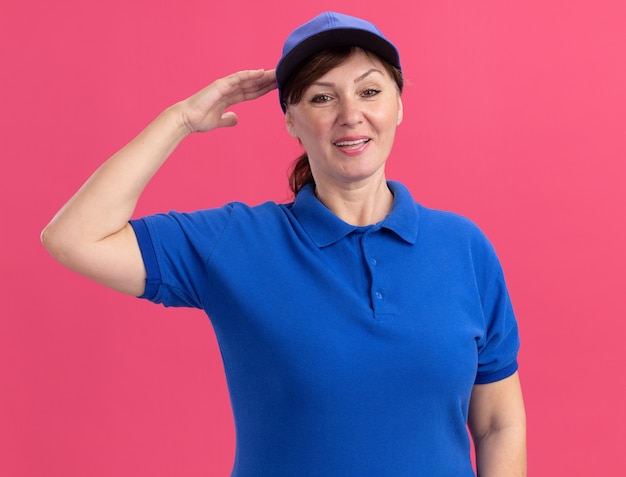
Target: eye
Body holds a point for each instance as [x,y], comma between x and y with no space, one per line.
[320,98]
[370,92]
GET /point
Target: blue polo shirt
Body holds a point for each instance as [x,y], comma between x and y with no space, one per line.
[348,351]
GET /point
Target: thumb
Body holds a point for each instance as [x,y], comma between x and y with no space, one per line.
[228,119]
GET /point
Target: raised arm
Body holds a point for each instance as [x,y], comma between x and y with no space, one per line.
[91,234]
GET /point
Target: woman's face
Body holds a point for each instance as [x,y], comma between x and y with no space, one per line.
[346,121]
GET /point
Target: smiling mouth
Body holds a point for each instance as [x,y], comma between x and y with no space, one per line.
[357,142]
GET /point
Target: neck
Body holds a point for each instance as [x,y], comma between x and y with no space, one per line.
[360,205]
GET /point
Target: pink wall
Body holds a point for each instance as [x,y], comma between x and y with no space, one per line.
[515,115]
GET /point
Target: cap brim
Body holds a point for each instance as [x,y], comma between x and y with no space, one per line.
[331,39]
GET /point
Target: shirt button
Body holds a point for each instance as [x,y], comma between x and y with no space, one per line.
[374,262]
[379,295]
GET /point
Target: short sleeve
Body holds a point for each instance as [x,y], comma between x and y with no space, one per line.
[498,348]
[176,248]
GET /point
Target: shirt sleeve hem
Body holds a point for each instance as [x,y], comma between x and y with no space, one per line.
[153,273]
[498,375]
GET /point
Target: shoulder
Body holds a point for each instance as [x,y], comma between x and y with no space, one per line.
[266,215]
[433,227]
[457,232]
[232,211]
[449,223]
[245,224]
[406,208]
[453,238]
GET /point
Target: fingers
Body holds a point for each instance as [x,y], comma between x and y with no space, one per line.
[207,109]
[245,86]
[248,85]
[253,79]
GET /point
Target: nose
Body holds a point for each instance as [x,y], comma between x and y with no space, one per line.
[349,112]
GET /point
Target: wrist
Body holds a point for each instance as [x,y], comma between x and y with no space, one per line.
[176,114]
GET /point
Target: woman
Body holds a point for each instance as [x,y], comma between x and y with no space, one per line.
[360,331]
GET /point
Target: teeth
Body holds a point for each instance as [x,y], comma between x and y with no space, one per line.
[351,143]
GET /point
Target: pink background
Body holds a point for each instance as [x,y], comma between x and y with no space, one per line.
[515,115]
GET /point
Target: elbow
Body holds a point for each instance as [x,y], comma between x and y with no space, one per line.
[54,242]
[47,238]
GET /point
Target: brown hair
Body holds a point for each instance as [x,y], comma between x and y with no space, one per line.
[292,91]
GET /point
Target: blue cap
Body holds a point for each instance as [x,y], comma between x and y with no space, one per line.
[329,30]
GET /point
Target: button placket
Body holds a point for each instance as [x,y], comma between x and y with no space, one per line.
[377,293]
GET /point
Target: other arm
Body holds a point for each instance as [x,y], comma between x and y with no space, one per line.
[497,422]
[91,234]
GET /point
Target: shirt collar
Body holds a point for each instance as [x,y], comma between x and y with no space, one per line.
[325,228]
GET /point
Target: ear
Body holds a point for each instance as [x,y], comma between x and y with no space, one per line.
[291,129]
[400,110]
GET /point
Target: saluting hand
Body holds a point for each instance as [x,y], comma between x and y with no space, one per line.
[207,109]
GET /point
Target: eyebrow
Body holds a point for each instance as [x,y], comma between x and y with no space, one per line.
[356,80]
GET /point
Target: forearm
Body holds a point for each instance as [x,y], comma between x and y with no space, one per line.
[502,452]
[105,203]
